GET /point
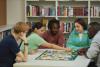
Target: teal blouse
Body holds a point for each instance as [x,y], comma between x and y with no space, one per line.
[74,41]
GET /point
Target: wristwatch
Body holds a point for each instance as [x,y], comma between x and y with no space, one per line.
[26,44]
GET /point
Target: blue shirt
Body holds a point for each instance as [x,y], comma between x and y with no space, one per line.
[8,50]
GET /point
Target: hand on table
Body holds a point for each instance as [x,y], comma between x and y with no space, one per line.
[82,51]
[68,49]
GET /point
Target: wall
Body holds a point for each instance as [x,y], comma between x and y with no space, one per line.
[15,11]
[2,12]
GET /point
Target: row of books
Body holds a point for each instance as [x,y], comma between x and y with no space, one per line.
[72,11]
[33,10]
[95,11]
[66,26]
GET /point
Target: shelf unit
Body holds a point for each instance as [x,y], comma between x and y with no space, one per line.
[37,9]
[95,10]
[63,10]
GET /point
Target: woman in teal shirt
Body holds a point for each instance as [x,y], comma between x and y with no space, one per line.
[78,39]
[35,40]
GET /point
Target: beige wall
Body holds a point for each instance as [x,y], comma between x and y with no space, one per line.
[15,11]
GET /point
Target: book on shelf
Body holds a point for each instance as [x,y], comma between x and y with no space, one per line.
[65,11]
[78,11]
[85,11]
[52,11]
[66,26]
[58,9]
[28,10]
[62,11]
[72,11]
[34,10]
[95,11]
[45,23]
[69,26]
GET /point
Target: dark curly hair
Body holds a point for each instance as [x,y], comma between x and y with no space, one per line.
[93,28]
[52,22]
[37,25]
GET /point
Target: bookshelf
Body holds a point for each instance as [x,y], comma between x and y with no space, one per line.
[69,10]
[64,10]
[95,10]
[36,9]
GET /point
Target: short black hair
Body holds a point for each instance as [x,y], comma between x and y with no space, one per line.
[37,25]
[53,21]
[81,22]
[95,26]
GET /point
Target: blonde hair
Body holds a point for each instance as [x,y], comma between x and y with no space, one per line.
[20,27]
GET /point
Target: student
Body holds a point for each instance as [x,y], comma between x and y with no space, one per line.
[78,39]
[35,40]
[94,50]
[53,34]
[9,48]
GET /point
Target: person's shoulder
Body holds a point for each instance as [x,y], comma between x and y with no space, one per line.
[60,33]
[96,38]
[46,34]
[97,35]
[8,38]
[73,32]
[33,35]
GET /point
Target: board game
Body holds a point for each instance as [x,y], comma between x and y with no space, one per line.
[56,55]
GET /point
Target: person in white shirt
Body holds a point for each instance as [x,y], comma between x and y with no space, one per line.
[94,50]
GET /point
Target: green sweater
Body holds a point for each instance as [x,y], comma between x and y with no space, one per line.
[34,41]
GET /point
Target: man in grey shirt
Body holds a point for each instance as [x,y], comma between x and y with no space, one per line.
[94,50]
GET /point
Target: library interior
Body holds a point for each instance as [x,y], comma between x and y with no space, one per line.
[50,33]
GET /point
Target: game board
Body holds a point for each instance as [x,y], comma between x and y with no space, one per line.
[56,55]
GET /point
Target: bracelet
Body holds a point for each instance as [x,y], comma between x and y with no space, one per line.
[26,44]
